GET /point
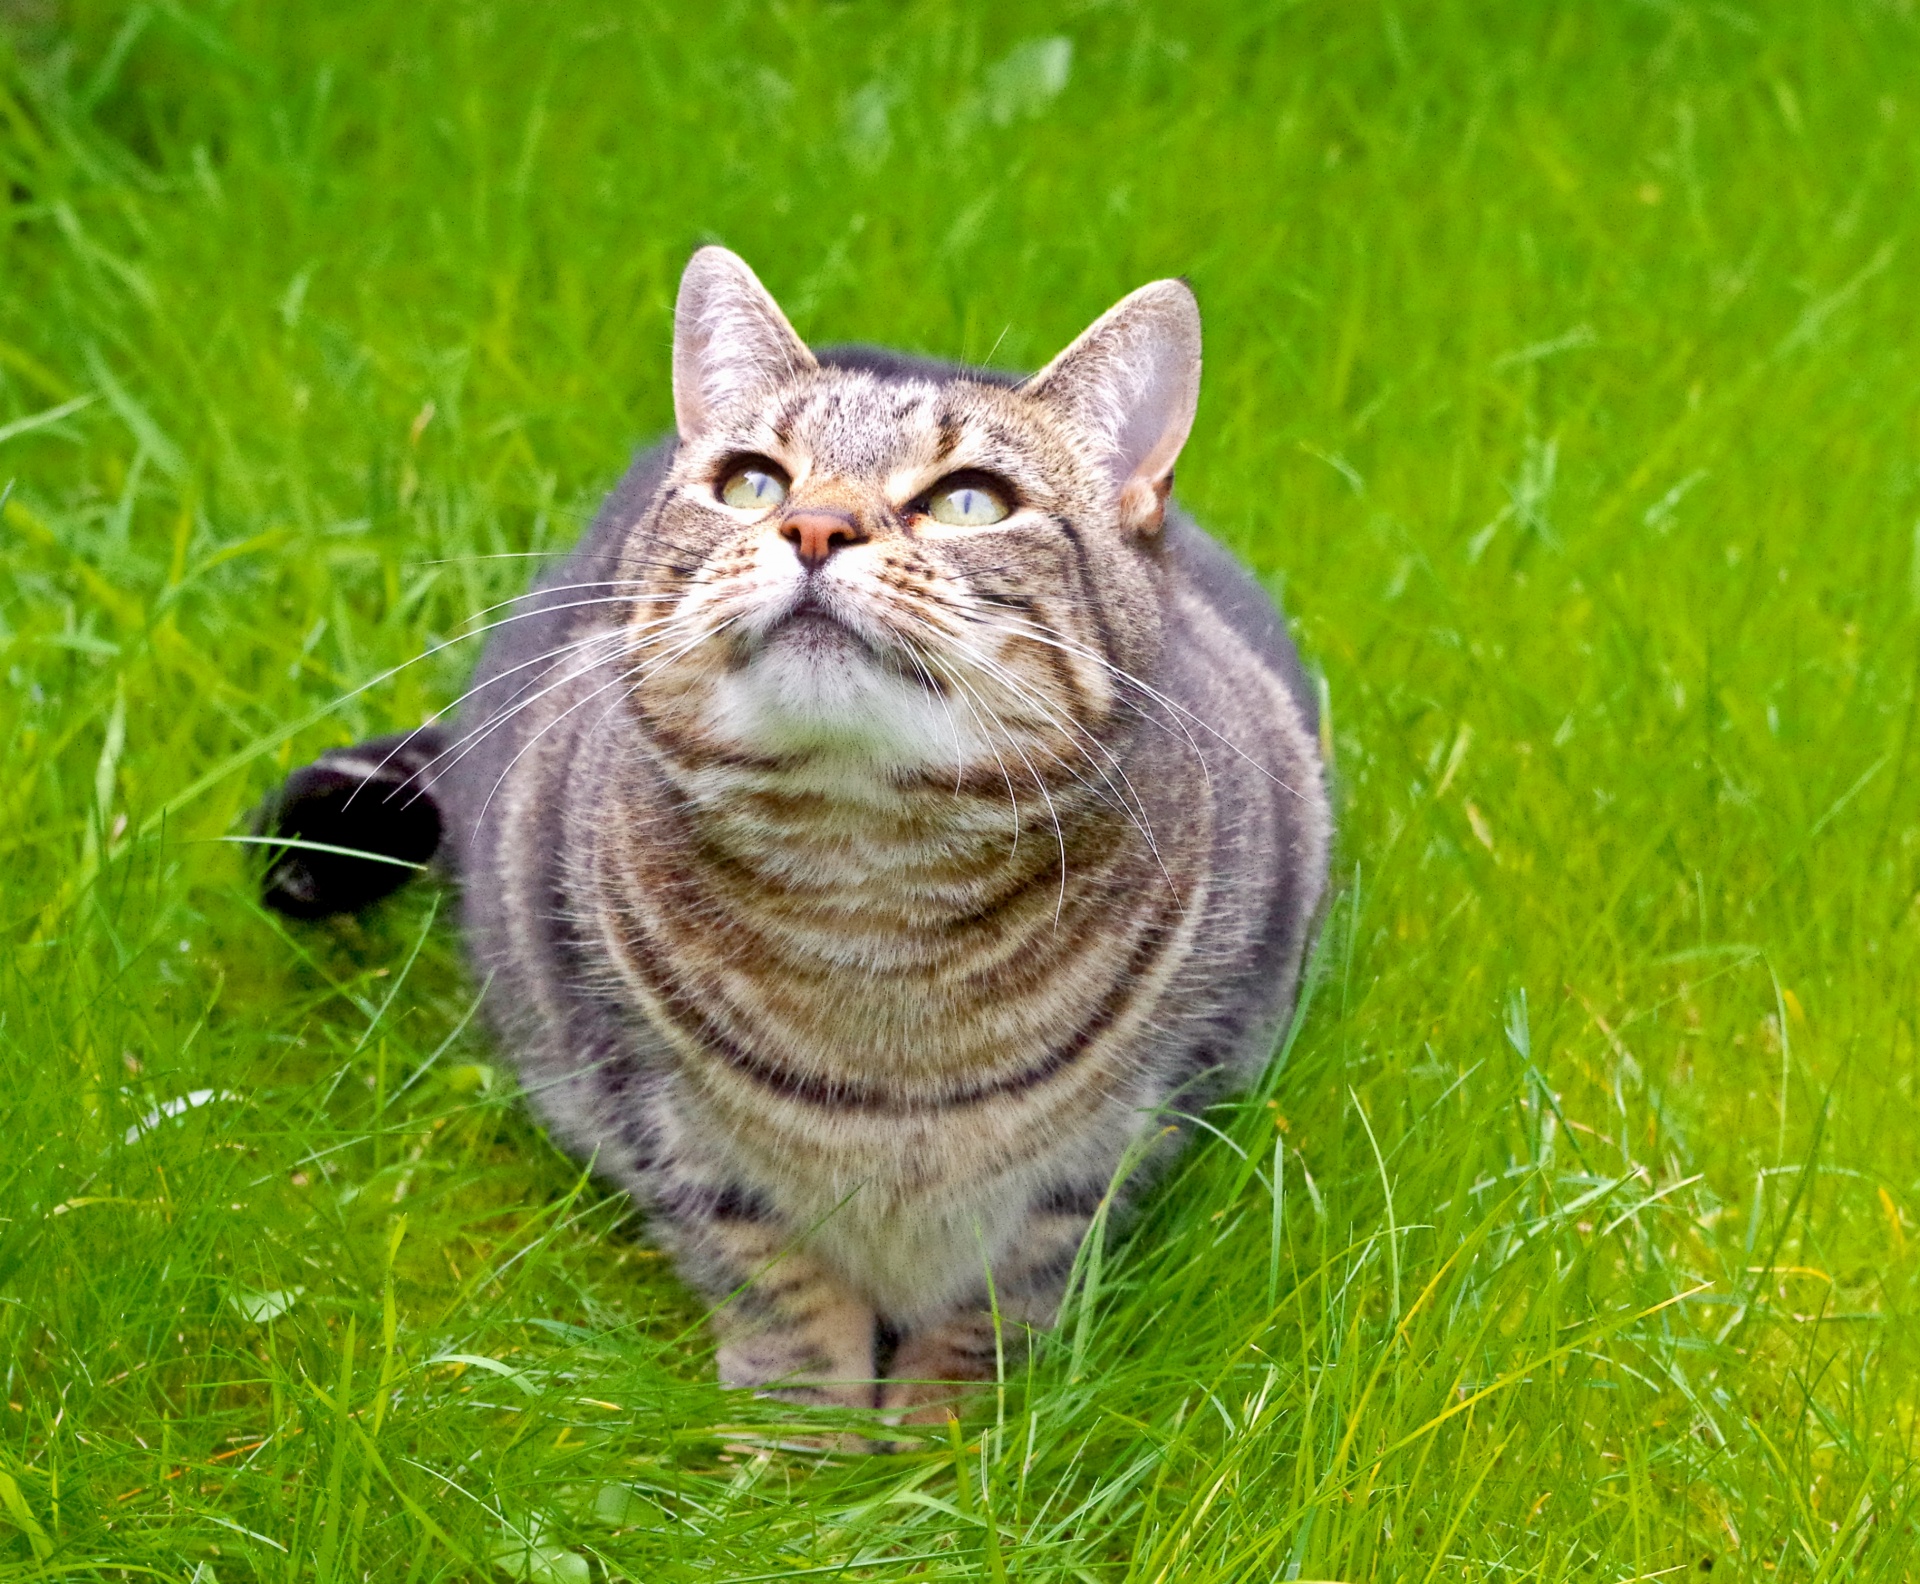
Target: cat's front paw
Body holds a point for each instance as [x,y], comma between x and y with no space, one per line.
[935,1371]
[798,1365]
[798,1337]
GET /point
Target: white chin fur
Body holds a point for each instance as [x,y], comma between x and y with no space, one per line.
[820,693]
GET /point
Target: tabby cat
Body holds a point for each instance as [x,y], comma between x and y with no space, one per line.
[893,815]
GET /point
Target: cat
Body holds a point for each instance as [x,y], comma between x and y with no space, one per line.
[890,819]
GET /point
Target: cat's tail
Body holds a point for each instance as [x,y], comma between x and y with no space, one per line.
[359,822]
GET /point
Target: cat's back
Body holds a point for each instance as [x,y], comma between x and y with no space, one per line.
[1234,597]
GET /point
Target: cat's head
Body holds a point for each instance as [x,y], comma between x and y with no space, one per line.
[935,575]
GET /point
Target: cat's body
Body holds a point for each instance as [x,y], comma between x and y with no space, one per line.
[858,888]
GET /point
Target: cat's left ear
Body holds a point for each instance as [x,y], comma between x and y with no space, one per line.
[730,339]
[1130,383]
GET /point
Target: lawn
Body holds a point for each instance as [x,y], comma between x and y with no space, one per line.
[1563,373]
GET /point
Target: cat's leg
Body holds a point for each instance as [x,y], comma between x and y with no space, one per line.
[798,1333]
[937,1362]
[938,1365]
[786,1324]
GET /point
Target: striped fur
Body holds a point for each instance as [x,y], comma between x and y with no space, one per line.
[858,918]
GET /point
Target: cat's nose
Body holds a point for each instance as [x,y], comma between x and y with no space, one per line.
[816,533]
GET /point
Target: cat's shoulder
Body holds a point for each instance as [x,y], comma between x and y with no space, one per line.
[1238,600]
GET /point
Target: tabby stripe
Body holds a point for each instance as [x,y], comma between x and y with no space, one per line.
[672,995]
[1076,707]
[1092,600]
[728,1202]
[951,430]
[689,755]
[790,931]
[783,422]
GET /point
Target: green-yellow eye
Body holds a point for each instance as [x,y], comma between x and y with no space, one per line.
[969,504]
[753,488]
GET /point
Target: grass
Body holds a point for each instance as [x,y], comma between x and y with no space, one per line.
[1560,369]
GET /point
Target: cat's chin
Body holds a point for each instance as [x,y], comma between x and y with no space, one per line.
[813,687]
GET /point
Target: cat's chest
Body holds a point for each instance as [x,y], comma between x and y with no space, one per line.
[894,966]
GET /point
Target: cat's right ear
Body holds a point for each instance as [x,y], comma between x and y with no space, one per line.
[730,339]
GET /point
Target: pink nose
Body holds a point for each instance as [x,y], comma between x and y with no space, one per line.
[816,534]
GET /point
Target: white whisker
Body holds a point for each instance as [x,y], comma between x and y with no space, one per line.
[1126,677]
[1046,796]
[1136,813]
[665,660]
[571,646]
[466,743]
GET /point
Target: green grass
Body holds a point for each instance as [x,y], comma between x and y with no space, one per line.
[1561,369]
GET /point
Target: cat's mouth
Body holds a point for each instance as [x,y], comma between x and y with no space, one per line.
[810,628]
[809,631]
[806,637]
[809,641]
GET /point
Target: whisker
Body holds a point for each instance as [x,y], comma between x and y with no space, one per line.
[593,636]
[959,757]
[467,742]
[571,646]
[694,642]
[544,590]
[426,654]
[1136,813]
[1158,697]
[1053,813]
[1138,819]
[487,555]
[1043,635]
[1025,695]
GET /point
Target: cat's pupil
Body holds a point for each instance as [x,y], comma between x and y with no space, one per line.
[750,488]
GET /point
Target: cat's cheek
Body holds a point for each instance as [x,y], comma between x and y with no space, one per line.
[674,705]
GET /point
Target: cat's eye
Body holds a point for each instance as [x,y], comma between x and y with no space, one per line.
[753,486]
[967,503]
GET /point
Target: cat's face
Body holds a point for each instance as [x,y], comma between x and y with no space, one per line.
[913,578]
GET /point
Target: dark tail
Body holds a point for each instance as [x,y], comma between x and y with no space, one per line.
[368,818]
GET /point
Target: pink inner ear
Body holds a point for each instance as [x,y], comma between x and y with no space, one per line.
[1132,380]
[1159,414]
[730,338]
